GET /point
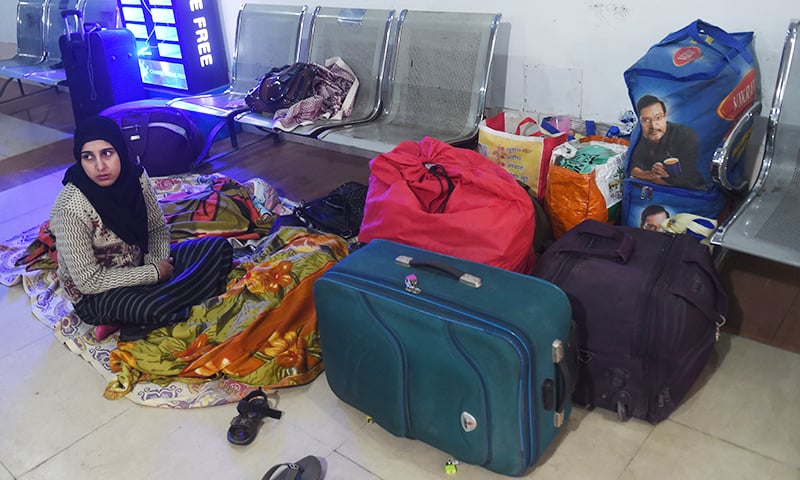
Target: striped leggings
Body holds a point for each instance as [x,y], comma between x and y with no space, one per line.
[200,268]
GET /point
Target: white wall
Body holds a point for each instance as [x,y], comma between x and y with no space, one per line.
[576,51]
[572,52]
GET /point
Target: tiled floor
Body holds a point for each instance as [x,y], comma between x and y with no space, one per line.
[741,421]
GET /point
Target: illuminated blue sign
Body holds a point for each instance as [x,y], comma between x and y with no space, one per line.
[179,42]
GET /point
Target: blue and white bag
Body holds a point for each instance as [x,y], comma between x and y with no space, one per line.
[688,91]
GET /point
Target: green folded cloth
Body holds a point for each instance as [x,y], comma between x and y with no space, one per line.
[587,158]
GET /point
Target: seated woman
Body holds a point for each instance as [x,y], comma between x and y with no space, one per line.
[114,256]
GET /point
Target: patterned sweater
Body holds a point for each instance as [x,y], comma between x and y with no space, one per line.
[92,258]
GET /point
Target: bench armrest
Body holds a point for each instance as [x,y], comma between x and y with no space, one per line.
[724,153]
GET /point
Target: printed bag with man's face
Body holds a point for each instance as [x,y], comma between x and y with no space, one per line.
[688,91]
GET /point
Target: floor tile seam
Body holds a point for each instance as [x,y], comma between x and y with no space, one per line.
[4,467]
[22,347]
[26,216]
[636,453]
[733,444]
[73,443]
[57,175]
[354,462]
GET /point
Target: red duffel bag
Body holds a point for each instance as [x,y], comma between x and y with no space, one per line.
[452,201]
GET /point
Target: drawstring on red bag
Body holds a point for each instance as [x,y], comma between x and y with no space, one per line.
[440,174]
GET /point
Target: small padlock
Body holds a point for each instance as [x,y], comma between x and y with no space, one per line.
[450,466]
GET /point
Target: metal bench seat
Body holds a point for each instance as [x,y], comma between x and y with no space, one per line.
[360,37]
[31,22]
[266,35]
[437,84]
[767,222]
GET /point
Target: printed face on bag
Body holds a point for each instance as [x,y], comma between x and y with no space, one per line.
[101,162]
[667,152]
[654,122]
[653,216]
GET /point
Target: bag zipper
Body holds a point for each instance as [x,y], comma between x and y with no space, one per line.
[663,398]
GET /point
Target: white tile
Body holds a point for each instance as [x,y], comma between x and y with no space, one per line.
[395,458]
[20,136]
[674,451]
[337,467]
[317,411]
[20,328]
[28,205]
[49,399]
[749,396]
[181,444]
[602,443]
[5,474]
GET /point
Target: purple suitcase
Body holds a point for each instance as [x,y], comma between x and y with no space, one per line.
[101,66]
[648,306]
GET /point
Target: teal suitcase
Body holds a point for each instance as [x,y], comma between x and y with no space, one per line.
[471,359]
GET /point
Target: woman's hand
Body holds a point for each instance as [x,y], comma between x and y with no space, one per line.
[164,268]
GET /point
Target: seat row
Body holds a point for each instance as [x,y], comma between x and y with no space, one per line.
[421,73]
[40,24]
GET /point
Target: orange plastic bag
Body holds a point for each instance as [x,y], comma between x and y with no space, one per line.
[571,198]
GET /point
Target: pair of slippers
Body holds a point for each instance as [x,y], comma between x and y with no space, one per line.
[253,409]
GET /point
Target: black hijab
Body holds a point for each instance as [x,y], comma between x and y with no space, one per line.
[121,205]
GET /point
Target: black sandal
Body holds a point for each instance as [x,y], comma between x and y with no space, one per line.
[307,468]
[252,410]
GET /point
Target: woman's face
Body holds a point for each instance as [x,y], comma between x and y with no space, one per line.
[101,162]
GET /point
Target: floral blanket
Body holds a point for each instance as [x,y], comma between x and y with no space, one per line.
[260,332]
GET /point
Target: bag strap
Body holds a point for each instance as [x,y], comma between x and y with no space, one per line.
[253,97]
[621,252]
[212,135]
[699,28]
[135,130]
[695,257]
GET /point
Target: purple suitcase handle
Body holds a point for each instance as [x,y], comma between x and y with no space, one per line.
[620,253]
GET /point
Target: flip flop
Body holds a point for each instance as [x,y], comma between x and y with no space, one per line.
[307,468]
[252,410]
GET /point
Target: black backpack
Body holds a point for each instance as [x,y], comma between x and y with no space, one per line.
[162,139]
[282,87]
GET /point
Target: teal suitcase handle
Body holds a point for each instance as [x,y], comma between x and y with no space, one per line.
[460,275]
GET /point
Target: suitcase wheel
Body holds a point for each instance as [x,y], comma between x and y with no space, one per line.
[623,403]
[622,412]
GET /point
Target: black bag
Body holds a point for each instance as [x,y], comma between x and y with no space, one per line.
[162,139]
[649,307]
[340,212]
[282,87]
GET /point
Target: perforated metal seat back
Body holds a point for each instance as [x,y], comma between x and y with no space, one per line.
[437,85]
[767,223]
[56,27]
[442,60]
[30,33]
[360,37]
[102,12]
[266,36]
